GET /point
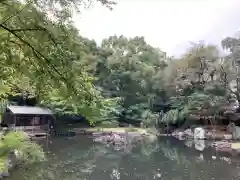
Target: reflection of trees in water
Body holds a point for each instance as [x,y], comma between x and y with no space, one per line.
[149,148]
[124,164]
[175,161]
[72,161]
[66,165]
[147,160]
[195,164]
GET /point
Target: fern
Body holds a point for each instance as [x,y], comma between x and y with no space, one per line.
[192,104]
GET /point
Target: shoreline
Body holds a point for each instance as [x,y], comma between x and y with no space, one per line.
[144,132]
[226,139]
[90,131]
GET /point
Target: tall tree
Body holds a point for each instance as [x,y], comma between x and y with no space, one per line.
[132,68]
[230,72]
[40,54]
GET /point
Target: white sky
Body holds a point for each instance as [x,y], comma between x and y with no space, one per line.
[167,24]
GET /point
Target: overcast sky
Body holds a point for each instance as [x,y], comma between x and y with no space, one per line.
[167,24]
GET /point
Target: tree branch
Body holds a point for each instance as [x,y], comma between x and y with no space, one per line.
[43,29]
[17,13]
[40,55]
[36,29]
[28,29]
[29,45]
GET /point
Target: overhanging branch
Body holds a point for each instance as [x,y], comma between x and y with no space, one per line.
[36,29]
[41,56]
[15,14]
[28,29]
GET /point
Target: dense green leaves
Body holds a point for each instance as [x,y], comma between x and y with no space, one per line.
[43,56]
[28,151]
[132,70]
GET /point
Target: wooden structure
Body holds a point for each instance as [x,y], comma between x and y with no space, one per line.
[36,121]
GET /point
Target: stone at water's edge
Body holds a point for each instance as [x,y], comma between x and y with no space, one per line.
[227,136]
[199,133]
[183,134]
[208,134]
[226,146]
[235,146]
[121,141]
[96,134]
[110,138]
[223,146]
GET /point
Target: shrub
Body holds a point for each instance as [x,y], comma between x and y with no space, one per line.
[19,142]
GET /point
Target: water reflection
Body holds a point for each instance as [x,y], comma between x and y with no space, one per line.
[166,159]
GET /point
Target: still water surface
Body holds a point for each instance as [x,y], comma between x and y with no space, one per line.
[79,158]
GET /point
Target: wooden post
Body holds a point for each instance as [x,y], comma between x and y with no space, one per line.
[48,121]
[48,133]
[15,121]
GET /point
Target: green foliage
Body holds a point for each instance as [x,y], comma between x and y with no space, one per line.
[141,112]
[170,117]
[28,151]
[216,89]
[132,70]
[199,103]
[137,111]
[43,56]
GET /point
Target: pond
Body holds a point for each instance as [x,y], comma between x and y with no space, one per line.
[78,158]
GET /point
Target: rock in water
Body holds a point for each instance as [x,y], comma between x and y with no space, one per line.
[199,133]
[188,133]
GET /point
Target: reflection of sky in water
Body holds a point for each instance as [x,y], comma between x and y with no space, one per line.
[167,159]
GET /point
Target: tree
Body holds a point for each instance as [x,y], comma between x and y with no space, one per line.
[40,54]
[38,40]
[129,69]
[199,93]
[230,72]
[132,69]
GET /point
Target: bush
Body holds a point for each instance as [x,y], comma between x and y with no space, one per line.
[19,142]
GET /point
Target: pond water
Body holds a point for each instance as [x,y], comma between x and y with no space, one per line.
[78,158]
